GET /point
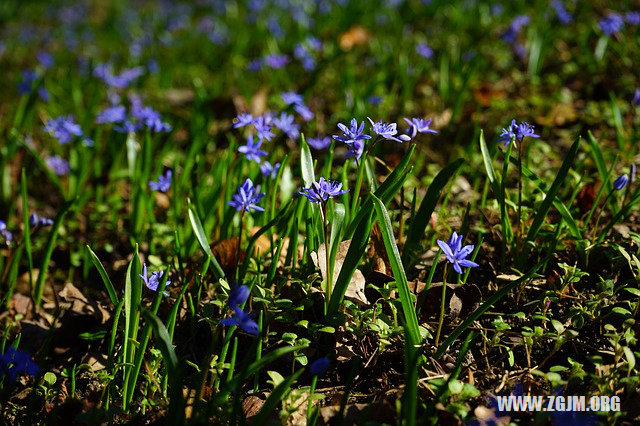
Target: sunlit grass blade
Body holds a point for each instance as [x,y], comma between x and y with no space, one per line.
[204,242]
[27,228]
[422,217]
[105,278]
[541,211]
[411,320]
[51,242]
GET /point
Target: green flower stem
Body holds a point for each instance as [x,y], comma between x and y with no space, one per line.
[444,294]
[356,191]
[314,381]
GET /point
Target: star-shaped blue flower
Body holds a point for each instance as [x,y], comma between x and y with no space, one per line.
[456,254]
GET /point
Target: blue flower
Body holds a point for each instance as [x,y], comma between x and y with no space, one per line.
[163,184]
[268,170]
[36,221]
[320,366]
[319,143]
[321,191]
[262,125]
[28,77]
[113,114]
[252,150]
[276,61]
[418,125]
[423,49]
[620,182]
[153,281]
[351,134]
[45,59]
[304,111]
[387,131]
[286,124]
[243,320]
[63,128]
[120,81]
[238,295]
[611,24]
[292,98]
[517,132]
[59,165]
[514,29]
[456,254]
[147,116]
[4,232]
[13,363]
[247,197]
[636,97]
[561,12]
[633,18]
[242,120]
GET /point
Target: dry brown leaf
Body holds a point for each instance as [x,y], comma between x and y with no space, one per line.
[354,36]
[355,289]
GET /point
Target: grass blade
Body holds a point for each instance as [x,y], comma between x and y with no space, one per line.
[274,398]
[51,242]
[421,219]
[202,239]
[105,278]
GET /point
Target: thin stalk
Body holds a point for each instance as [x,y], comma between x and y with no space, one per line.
[329,269]
[314,381]
[444,294]
[356,191]
[595,228]
[238,250]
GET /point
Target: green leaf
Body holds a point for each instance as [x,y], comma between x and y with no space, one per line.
[105,278]
[278,394]
[422,217]
[51,242]
[306,163]
[553,191]
[204,242]
[411,320]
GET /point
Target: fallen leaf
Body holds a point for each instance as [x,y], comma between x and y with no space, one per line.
[355,289]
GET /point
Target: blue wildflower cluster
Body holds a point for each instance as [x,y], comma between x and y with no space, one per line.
[247,197]
[65,129]
[14,363]
[153,281]
[140,116]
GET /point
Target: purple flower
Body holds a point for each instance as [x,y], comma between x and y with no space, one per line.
[423,49]
[120,81]
[456,254]
[319,143]
[247,197]
[320,366]
[418,125]
[633,18]
[611,24]
[63,128]
[153,281]
[375,100]
[45,59]
[517,132]
[633,173]
[387,131]
[163,184]
[243,320]
[242,120]
[276,61]
[114,114]
[352,134]
[14,363]
[238,295]
[4,232]
[59,166]
[36,221]
[43,93]
[286,124]
[268,170]
[147,116]
[561,12]
[620,182]
[127,126]
[321,191]
[28,77]
[636,97]
[292,98]
[262,125]
[514,29]
[252,150]
[304,112]
[355,150]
